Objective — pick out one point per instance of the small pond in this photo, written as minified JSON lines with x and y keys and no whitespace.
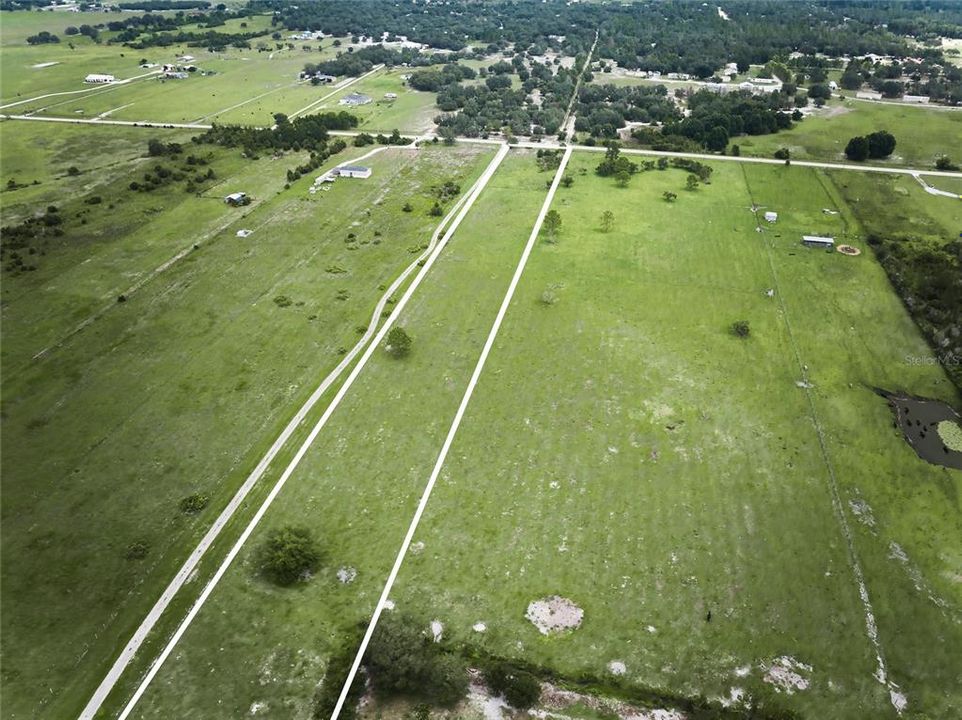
{"x":932,"y":427}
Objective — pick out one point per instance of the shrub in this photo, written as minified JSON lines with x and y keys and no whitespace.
{"x":137,"y":550}
{"x":283,"y":301}
{"x":73,"y":171}
{"x":288,"y":554}
{"x":93,"y":200}
{"x":782,"y":154}
{"x":407,"y":207}
{"x":520,"y":688}
{"x":193,"y":503}
{"x":741,"y":328}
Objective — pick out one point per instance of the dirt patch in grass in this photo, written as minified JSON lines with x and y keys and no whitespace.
{"x":554,"y":614}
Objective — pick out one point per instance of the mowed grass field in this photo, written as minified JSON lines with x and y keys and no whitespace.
{"x":626,"y":451}
{"x":921,"y":133}
{"x":179,"y":390}
{"x":258,"y":646}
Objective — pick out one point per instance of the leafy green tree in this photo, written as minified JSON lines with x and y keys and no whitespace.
{"x":398,"y":342}
{"x":691,"y":182}
{"x":607,"y":221}
{"x":402,"y":660}
{"x":669,"y":196}
{"x":288,"y":554}
{"x":622,"y":177}
{"x":857,"y":148}
{"x":551,"y":226}
{"x":881,"y":144}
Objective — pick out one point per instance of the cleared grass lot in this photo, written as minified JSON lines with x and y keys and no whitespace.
{"x":177,"y":391}
{"x":626,"y":451}
{"x":358,"y":486}
{"x":922,"y":133}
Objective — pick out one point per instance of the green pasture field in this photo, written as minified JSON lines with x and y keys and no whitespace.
{"x":256,"y":645}
{"x":240,"y":76}
{"x":43,"y":152}
{"x":412,"y":111}
{"x":179,"y":390}
{"x":623,"y":449}
{"x":897,"y":205}
{"x":921,"y":133}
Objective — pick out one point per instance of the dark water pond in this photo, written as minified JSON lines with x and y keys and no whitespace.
{"x":918,"y":419}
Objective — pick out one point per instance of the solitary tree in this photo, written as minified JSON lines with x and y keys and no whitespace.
{"x":567,"y":181}
{"x":669,"y":196}
{"x":607,"y":220}
{"x":741,"y":328}
{"x":881,"y":144}
{"x":398,"y":342}
{"x":552,"y":226}
{"x":622,"y":178}
{"x":691,"y":182}
{"x":289,"y":553}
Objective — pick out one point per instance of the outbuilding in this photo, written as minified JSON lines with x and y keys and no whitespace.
{"x":355,"y":99}
{"x":771,"y":216}
{"x":354,"y":171}
{"x":99,"y":78}
{"x":818,"y":241}
{"x":236,"y":199}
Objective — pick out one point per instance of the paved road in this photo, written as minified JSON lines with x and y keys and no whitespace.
{"x":436,"y":245}
{"x":549,"y":145}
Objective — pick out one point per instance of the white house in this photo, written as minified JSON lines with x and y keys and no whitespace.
{"x":354,"y":171}
{"x":99,"y":78}
{"x":918,"y":99}
{"x":832,"y":85}
{"x":771,"y":216}
{"x":818,"y":241}
{"x":355,"y":99}
{"x":868,"y":95}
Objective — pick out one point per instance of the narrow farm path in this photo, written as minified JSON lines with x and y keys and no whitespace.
{"x":368,"y":343}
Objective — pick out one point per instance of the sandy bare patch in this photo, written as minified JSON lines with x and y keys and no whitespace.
{"x":479,"y":627}
{"x":554,"y":614}
{"x":862,"y":511}
{"x":787,"y":675}
{"x":616,"y":667}
{"x":849,"y":250}
{"x":346,"y":575}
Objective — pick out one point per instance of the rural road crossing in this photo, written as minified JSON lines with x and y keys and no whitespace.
{"x":455,"y":424}
{"x":429,"y":257}
{"x":893,"y":170}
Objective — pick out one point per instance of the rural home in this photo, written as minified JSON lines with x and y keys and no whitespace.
{"x":354,"y":171}
{"x":237,"y":199}
{"x":99,"y":78}
{"x":818,"y":241}
{"x":918,"y":99}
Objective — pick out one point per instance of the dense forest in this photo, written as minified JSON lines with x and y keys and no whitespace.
{"x":671,"y":36}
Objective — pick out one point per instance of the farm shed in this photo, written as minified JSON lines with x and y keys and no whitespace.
{"x":818,"y":241}
{"x":99,"y":78}
{"x":354,"y":171}
{"x":237,"y":198}
{"x":771,"y":216}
